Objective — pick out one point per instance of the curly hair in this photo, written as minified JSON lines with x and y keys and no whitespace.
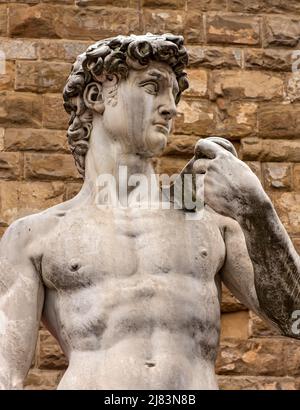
{"x":115,"y":56}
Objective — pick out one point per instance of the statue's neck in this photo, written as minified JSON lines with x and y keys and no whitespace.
{"x":109,"y":161}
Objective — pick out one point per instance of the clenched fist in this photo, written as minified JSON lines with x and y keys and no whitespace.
{"x":230,"y":187}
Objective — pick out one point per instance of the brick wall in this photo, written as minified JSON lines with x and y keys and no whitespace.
{"x":243,"y":87}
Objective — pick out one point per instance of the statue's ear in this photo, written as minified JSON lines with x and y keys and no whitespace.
{"x":93,"y":97}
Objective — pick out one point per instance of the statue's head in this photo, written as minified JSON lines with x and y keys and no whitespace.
{"x":130,"y":87}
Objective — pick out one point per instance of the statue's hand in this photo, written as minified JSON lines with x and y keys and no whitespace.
{"x":230,"y":187}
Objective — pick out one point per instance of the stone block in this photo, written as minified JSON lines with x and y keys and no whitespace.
{"x":214,"y":57}
{"x":42,"y":379}
{"x":232,"y":29}
{"x":181,"y":145}
{"x":269,"y":59}
{"x":281,"y":31}
{"x":18,"y":139}
{"x":257,"y":383}
{"x":264,"y":6}
{"x":206,"y":5}
{"x":18,"y":109}
{"x":10,"y":165}
{"x":61,"y":50}
{"x":3,"y":20}
{"x":170,"y":165}
{"x":292,"y":87}
{"x":253,"y":357}
{"x":195,"y":117}
{"x":50,"y":166}
{"x":54,"y":114}
{"x":8,"y":77}
{"x":2,"y":139}
{"x":21,"y":198}
{"x":255,"y":167}
{"x":163,"y":4}
{"x":237,"y":85}
{"x":194,"y":28}
{"x":255,"y":149}
{"x":235,"y":119}
{"x":163,"y":21}
{"x":72,"y":189}
{"x":41,"y":77}
{"x":296,"y":175}
{"x":50,"y":354}
{"x":277,"y":175}
{"x":229,"y":303}
{"x":235,"y":325}
{"x":56,"y":21}
{"x":276,"y":120}
{"x":198,"y":83}
{"x":19,"y":49}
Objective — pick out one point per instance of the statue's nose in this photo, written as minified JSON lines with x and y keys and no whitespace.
{"x":168,"y":111}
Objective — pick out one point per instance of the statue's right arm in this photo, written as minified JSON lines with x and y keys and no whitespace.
{"x":21,"y":303}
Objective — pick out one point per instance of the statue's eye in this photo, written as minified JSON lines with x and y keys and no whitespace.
{"x":151,"y":87}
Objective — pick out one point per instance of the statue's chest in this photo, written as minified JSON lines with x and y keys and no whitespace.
{"x":84,"y":251}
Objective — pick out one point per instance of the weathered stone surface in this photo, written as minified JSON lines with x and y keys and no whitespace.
{"x":3,"y":20}
{"x":50,"y":166}
{"x":287,"y":205}
{"x":116,"y":3}
{"x":277,"y":175}
{"x":253,"y":148}
{"x":269,"y":59}
{"x":19,"y":199}
{"x":16,"y":139}
{"x":163,"y":4}
{"x":19,"y":49}
{"x":230,"y":303}
{"x":50,"y":354}
{"x":296,"y":174}
{"x":234,"y":325}
{"x":41,"y":76}
{"x":72,"y":189}
{"x":267,"y":6}
{"x":20,"y":109}
{"x":181,"y":145}
{"x":54,"y":115}
{"x":2,"y":139}
{"x":235,"y":119}
{"x":281,"y":31}
{"x":42,"y":379}
{"x":10,"y":167}
{"x":246,"y":84}
{"x":261,"y":357}
{"x":194,"y":29}
{"x":257,"y":383}
{"x":293,"y":87}
{"x":214,"y":57}
{"x":163,"y":21}
{"x":61,"y":50}
{"x":260,"y":328}
{"x":206,"y":5}
{"x":50,"y":21}
{"x":198,"y":83}
{"x":291,"y":351}
{"x":7,"y":78}
{"x":232,"y":29}
{"x":278,"y":120}
{"x":195,"y":117}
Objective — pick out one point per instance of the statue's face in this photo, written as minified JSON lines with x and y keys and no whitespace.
{"x":140,"y":114}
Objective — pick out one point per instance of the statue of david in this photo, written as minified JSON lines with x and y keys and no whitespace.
{"x":132,"y":294}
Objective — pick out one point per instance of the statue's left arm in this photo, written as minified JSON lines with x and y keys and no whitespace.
{"x":271,"y":286}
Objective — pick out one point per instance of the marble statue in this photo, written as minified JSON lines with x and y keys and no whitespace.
{"x":132,"y":294}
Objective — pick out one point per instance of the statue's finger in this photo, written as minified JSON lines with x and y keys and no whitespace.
{"x":207,"y":149}
{"x":200,"y":166}
{"x":224,"y":143}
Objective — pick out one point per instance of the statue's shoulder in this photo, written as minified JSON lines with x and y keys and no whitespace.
{"x":223,"y":222}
